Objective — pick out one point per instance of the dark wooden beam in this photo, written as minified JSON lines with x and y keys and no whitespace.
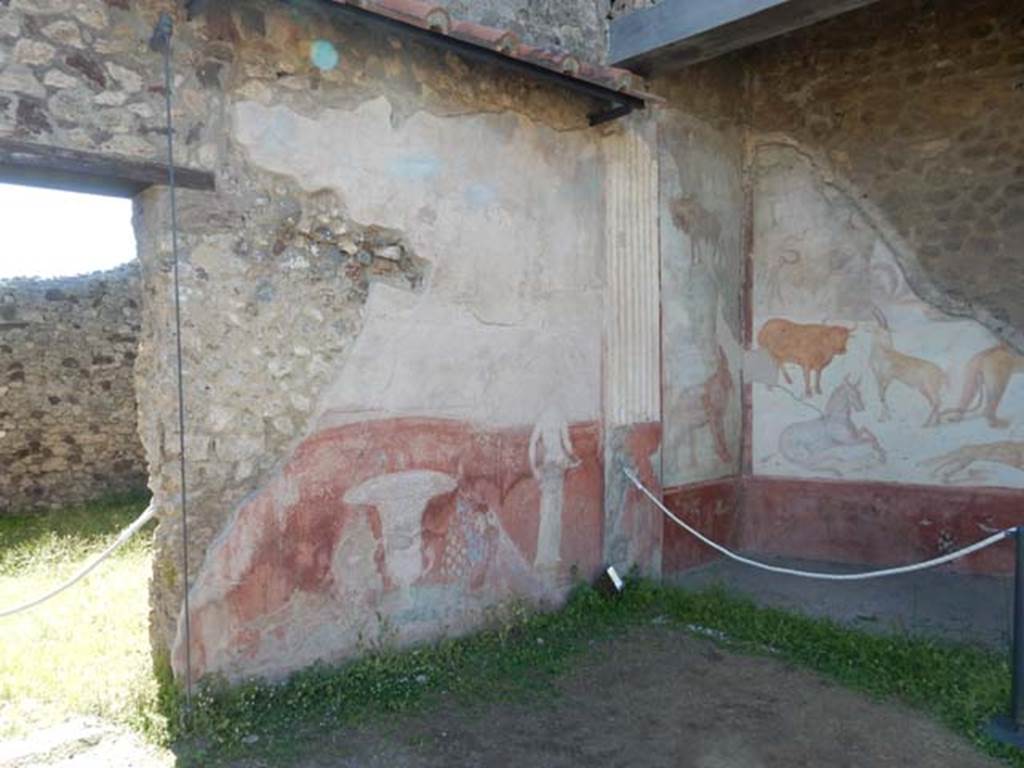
{"x":677,"y":33}
{"x":40,"y":165}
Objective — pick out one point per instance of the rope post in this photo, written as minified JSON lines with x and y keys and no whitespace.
{"x":1009,"y":729}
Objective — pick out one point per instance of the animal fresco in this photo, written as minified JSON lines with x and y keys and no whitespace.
{"x":705,"y":405}
{"x":942,"y":386}
{"x":889,"y":365}
{"x":955,"y":466}
{"x":701,"y":226}
{"x":833,"y":442}
{"x":701,"y":279}
{"x":985,"y":380}
{"x":810,"y":346}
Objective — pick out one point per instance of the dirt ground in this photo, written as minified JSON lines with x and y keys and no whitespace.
{"x":658,"y":698}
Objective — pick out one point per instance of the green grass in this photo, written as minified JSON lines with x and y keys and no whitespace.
{"x":958,"y":685}
{"x":87,"y":650}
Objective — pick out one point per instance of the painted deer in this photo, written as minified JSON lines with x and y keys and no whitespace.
{"x":829,"y":442}
{"x":889,"y":365}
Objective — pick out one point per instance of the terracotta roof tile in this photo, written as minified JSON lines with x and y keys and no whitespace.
{"x":435,"y":18}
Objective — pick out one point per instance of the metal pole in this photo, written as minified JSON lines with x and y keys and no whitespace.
{"x":1017,"y":688}
{"x":161,"y":41}
{"x":1010,"y":729}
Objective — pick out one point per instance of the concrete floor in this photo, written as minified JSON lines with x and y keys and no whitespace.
{"x":936,"y":603}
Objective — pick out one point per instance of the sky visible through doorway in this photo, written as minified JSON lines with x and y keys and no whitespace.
{"x":52,"y":233}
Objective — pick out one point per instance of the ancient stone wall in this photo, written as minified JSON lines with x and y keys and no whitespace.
{"x":393,"y":314}
{"x":68,"y":427}
{"x":918,"y":103}
{"x":79,"y":74}
{"x":622,"y":7}
{"x":420,"y":310}
{"x":577,"y":26}
{"x":885,"y":164}
{"x":880,"y":159}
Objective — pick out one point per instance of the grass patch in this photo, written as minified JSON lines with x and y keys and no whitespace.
{"x":87,"y":650}
{"x":959,"y":685}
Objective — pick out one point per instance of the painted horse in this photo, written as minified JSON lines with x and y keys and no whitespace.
{"x":832,"y":442}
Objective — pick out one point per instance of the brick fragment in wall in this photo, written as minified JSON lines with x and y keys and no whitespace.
{"x":68,"y":427}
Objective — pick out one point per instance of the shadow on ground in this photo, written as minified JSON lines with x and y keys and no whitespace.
{"x":937,"y":603}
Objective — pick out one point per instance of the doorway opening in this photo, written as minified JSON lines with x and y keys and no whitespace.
{"x":72,"y":469}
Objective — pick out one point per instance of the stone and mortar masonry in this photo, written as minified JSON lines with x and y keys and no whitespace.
{"x":912,"y":110}
{"x":919,"y":104}
{"x":914,"y":107}
{"x":68,"y":429}
{"x":577,"y":26}
{"x":274,"y":277}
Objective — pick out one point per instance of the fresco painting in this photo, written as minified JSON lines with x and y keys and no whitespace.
{"x":711,"y":507}
{"x":855,"y":377}
{"x":704,"y":406}
{"x":394,"y":526}
{"x":833,"y":443}
{"x":702,"y":277}
{"x":551,"y":456}
{"x":452,"y":460}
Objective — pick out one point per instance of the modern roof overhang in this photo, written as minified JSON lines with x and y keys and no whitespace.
{"x":677,"y":33}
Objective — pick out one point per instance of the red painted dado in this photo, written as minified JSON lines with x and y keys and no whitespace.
{"x":710,"y":507}
{"x":318,"y":547}
{"x":862,"y":523}
{"x":876,"y":523}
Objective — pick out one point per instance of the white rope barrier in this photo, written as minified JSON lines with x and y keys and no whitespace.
{"x":993,"y":539}
{"x":121,"y":539}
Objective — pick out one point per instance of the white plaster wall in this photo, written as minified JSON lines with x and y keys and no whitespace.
{"x":508,"y":214}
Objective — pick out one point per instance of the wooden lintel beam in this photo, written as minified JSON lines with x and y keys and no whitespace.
{"x":62,"y":168}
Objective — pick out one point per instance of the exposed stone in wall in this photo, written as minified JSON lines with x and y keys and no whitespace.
{"x":80,"y":75}
{"x":622,"y":7}
{"x":273,"y":284}
{"x":67,"y":400}
{"x":577,"y":26}
{"x":331,"y":193}
{"x":920,"y":104}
